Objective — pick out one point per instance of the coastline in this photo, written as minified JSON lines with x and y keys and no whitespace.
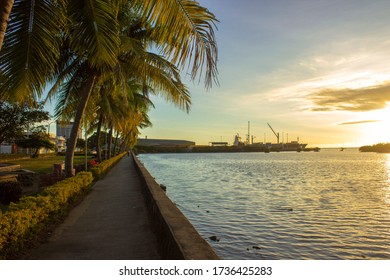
{"x":281,"y":200}
{"x":178,"y":238}
{"x":212,"y":149}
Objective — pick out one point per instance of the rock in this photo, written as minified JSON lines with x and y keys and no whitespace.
{"x":214,"y":238}
{"x":286,"y":209}
{"x":283,"y":209}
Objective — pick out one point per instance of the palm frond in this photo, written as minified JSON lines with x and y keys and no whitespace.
{"x":66,"y":102}
{"x":31,"y":47}
{"x":95,"y":31}
{"x":63,"y":76}
{"x":69,"y":92}
{"x":184,"y":30}
{"x":161,"y":76}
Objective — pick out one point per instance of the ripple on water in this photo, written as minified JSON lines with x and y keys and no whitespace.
{"x":340,"y":206}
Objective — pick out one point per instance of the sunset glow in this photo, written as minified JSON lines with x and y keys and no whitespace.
{"x":313,"y":69}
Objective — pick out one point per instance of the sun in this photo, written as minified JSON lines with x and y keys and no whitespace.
{"x":377,"y":131}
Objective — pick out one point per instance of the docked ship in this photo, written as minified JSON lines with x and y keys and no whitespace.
{"x":278,"y":147}
{"x":267,"y":147}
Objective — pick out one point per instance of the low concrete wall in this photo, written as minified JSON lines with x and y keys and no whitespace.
{"x":177,"y":236}
{"x":9,"y":167}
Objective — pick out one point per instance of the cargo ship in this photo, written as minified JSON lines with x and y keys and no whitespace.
{"x":268,"y":147}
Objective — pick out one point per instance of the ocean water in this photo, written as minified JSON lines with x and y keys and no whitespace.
{"x":327,"y":205}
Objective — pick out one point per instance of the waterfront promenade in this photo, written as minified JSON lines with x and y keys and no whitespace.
{"x":111,"y":223}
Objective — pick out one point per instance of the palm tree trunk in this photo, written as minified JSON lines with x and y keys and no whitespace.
{"x":98,"y":133}
{"x":109,"y":143}
{"x":124,"y":140}
{"x":5,"y":11}
{"x":71,"y":144}
{"x":116,"y":143}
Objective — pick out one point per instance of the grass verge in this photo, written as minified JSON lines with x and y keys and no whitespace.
{"x":44,"y":165}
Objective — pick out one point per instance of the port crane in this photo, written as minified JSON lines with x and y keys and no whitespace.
{"x":276,"y":134}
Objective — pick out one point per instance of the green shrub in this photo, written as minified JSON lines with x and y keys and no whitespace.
{"x":102,"y":168}
{"x":10,"y":192}
{"x":25,"y":219}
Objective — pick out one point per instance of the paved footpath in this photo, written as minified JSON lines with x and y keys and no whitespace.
{"x":111,"y":223}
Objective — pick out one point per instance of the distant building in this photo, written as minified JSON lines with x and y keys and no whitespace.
{"x":165,"y":143}
{"x":7,"y":148}
{"x":64,"y":129}
{"x":61,"y":144}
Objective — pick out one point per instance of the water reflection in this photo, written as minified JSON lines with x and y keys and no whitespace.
{"x":326,"y":205}
{"x":387,"y":187}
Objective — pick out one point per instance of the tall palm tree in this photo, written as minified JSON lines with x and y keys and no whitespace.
{"x":182,"y":30}
{"x":120,"y":94}
{"x":133,"y":62}
{"x":33,"y":41}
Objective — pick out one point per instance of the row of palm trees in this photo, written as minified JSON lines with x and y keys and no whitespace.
{"x":104,"y":54}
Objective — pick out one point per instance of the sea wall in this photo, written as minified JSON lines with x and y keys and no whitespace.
{"x":177,"y":236}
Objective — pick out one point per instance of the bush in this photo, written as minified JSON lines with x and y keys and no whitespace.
{"x":102,"y":168}
{"x":10,"y":192}
{"x":25,"y":219}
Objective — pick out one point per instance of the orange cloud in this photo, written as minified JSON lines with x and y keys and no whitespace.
{"x":355,"y":100}
{"x":358,"y":122}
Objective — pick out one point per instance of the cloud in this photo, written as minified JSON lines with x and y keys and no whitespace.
{"x":354,"y":100}
{"x":358,"y":122}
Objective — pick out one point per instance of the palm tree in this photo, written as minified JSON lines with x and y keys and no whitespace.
{"x":119,"y":99}
{"x":133,"y":62}
{"x":182,"y":30}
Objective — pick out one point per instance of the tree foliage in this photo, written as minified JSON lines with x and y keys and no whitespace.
{"x":16,"y":119}
{"x":36,"y":141}
{"x":80,"y":143}
{"x":95,"y":47}
{"x":378,"y":148}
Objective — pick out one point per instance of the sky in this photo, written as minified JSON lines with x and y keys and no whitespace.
{"x":314,"y":69}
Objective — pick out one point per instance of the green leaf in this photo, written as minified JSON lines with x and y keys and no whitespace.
{"x":31,"y":48}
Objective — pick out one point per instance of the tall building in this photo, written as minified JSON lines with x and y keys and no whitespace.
{"x":64,"y":129}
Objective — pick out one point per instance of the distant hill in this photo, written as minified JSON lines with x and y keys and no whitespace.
{"x":378,"y":148}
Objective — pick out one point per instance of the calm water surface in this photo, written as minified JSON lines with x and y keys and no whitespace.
{"x":326,"y":205}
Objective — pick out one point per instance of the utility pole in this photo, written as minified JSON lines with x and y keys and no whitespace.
{"x":248,"y":138}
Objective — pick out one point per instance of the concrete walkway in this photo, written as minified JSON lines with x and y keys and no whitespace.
{"x":110,"y":224}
